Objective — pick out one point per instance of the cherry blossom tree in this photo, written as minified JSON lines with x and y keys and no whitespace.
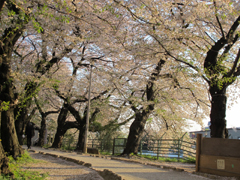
{"x":13,"y":18}
{"x":200,"y":36}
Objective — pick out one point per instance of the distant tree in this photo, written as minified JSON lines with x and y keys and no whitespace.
{"x":202,"y":37}
{"x":43,"y":128}
{"x":143,"y":113}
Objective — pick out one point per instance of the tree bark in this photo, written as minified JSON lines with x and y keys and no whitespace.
{"x":219,"y":78}
{"x":81,"y":138}
{"x":218,"y":113}
{"x":81,"y":127}
{"x":141,"y":116}
{"x":2,"y":4}
{"x":8,"y":132}
{"x":57,"y":143}
{"x":63,"y":126}
{"x":8,"y":39}
{"x":60,"y":133}
{"x":42,"y":131}
{"x":21,"y":120}
{"x":136,"y":132}
{"x":21,"y":123}
{"x":22,"y":111}
{"x":81,"y":121}
{"x":4,"y":168}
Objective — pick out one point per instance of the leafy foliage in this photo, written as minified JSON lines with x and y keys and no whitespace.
{"x":4,"y":106}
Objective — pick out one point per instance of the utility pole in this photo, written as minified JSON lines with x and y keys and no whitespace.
{"x":87,"y":118}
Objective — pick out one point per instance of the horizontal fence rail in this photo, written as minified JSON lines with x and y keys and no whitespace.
{"x":101,"y":144}
{"x":166,"y":148}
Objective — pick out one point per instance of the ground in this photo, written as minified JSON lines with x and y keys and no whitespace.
{"x":60,"y":169}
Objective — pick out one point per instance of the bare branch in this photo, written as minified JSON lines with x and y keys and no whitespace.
{"x":232,"y":30}
{"x":2,"y":4}
{"x":220,"y":25}
{"x":237,"y":73}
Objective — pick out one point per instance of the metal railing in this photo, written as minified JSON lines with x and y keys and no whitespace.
{"x":103,"y":145}
{"x":167,"y":148}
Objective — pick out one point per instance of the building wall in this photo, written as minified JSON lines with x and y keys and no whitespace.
{"x":234,"y":133}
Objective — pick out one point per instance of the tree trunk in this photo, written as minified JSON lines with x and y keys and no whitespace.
{"x":22,"y":112}
{"x":81,"y":126}
{"x":141,"y":116}
{"x":81,"y":138}
{"x":57,"y":143}
{"x":20,"y":123}
{"x":135,"y":134}
{"x":8,"y":133}
{"x":42,"y":132}
{"x":217,"y":116}
{"x":4,"y":169}
{"x":61,"y":130}
{"x":19,"y":130}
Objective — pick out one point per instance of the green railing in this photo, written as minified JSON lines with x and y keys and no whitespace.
{"x":103,"y":145}
{"x":167,"y":148}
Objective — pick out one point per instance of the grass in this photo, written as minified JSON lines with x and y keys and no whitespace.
{"x":19,"y":174}
{"x":105,"y":153}
{"x":68,"y":148}
{"x":162,"y":159}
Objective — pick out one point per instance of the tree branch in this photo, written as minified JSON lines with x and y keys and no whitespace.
{"x":237,"y":73}
{"x":2,"y":4}
{"x":220,"y":25}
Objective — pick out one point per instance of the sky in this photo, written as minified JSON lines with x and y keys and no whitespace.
{"x":232,"y":117}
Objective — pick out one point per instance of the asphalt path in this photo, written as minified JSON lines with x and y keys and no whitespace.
{"x":127,"y":170}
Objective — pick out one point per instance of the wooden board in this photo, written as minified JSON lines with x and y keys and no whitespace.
{"x":220,"y":147}
{"x":219,"y":165}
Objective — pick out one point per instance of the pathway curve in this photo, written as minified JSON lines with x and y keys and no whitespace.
{"x":127,"y":170}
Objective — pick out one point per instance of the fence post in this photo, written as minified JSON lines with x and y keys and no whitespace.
{"x":158,"y":149}
{"x":101,"y":144}
{"x":141,"y":147}
{"x":113,"y":146}
{"x":198,"y":150}
{"x":160,"y":144}
{"x":178,"y":149}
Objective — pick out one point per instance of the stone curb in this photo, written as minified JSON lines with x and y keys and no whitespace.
{"x":106,"y":174}
{"x":109,"y":175}
{"x":150,"y":164}
{"x":167,"y":167}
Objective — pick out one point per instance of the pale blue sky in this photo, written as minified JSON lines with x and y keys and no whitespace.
{"x":233,"y":118}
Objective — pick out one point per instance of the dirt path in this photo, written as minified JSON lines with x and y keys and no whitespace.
{"x":127,"y":170}
{"x":59,"y":169}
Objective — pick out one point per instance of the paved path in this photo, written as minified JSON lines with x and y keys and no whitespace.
{"x":127,"y":170}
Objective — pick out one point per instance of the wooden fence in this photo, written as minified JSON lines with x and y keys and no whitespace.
{"x":218,"y":156}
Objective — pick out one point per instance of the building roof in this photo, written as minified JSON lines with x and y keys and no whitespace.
{"x":237,"y":128}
